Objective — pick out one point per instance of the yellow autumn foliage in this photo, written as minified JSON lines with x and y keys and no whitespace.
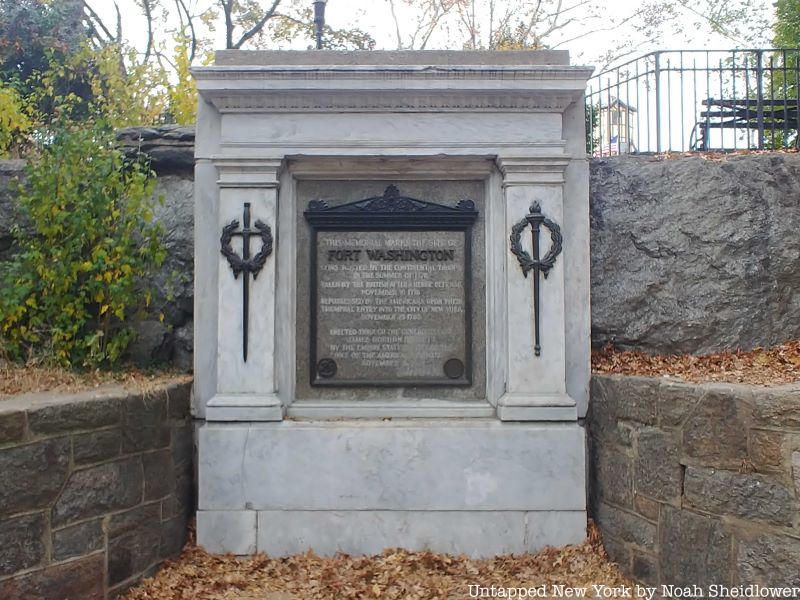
{"x":14,"y":122}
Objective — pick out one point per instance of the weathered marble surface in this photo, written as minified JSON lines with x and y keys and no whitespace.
{"x":505,"y":470}
{"x":390,"y":57}
{"x":476,"y":464}
{"x":451,"y":485}
{"x":474,"y":533}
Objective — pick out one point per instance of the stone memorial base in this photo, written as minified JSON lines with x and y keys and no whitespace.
{"x":477,"y":487}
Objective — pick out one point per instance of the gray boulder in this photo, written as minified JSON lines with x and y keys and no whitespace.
{"x":695,"y":255}
{"x":172,"y":286}
{"x":169,"y":147}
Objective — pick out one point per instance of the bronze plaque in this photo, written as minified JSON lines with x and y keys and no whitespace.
{"x":390,"y":298}
{"x":391,"y":306}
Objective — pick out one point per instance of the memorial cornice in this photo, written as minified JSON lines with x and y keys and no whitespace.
{"x":369,"y":88}
{"x":378,"y":72}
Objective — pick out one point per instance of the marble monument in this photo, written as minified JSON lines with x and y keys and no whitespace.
{"x":392,"y":301}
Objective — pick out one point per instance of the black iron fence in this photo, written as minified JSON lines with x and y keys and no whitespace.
{"x":695,"y":100}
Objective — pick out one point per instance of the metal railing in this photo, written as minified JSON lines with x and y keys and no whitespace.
{"x":695,"y":100}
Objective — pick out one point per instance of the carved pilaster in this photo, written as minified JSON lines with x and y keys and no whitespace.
{"x":246,"y":389}
{"x":535,"y":319}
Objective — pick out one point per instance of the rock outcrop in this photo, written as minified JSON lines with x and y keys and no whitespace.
{"x":694,"y":254}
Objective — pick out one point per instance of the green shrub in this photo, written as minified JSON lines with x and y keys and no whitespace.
{"x":14,"y":122}
{"x":86,"y":238}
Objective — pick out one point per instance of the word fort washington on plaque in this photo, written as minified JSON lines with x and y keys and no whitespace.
{"x":391,"y":302}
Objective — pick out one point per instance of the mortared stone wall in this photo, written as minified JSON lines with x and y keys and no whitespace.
{"x":697,"y":484}
{"x":96,"y":490}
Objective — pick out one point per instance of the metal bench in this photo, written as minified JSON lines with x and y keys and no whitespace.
{"x":773,"y":118}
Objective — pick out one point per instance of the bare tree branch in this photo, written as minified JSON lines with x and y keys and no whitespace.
{"x":466,"y":13}
{"x":95,"y":21}
{"x":613,"y":27}
{"x":294,"y":20}
{"x":256,"y":29}
{"x":227,"y":9}
{"x":441,"y":10}
{"x":182,"y":8}
{"x":715,"y":24}
{"x":532,"y":23}
{"x":491,"y":18}
{"x":429,"y":18}
{"x":396,"y":25}
{"x":179,"y":10}
{"x":565,"y":10}
{"x":474,"y":36}
{"x":119,"y":23}
{"x":147,"y":9}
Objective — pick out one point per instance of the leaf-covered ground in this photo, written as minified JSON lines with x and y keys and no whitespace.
{"x":395,"y":574}
{"x":15,"y":379}
{"x":715,"y":156}
{"x":762,"y":366}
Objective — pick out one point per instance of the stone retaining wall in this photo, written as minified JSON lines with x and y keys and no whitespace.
{"x":96,"y":490}
{"x":697,"y":484}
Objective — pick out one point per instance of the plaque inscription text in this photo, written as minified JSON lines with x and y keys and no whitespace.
{"x":391,"y":305}
{"x":390,"y":301}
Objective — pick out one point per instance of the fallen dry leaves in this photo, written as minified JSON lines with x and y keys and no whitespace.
{"x":395,"y":574}
{"x":713,"y":155}
{"x":15,"y":379}
{"x":762,"y":366}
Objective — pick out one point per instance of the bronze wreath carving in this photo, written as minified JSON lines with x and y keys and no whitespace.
{"x":238,"y":264}
{"x":525,"y":261}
